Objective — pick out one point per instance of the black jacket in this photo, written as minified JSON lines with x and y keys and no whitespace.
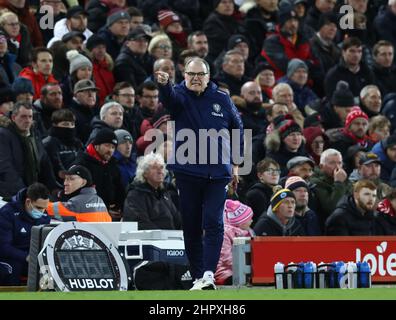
{"x":330,"y":118}
{"x":233,"y":83}
{"x":347,"y":220}
{"x":258,"y":197}
{"x":385,"y":224}
{"x":62,"y":148}
{"x":84,"y":116}
{"x":106,"y":178}
{"x":97,"y":14}
{"x":385,"y":78}
{"x":219,"y":28}
{"x":131,"y":67}
{"x":15,"y":167}
{"x":97,"y":125}
{"x":269,"y":225}
{"x":356,"y":81}
{"x":113,"y":46}
{"x":151,"y":208}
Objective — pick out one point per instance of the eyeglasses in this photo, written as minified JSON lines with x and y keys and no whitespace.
{"x":199,"y":74}
{"x":273,"y":171}
{"x":164,"y":46}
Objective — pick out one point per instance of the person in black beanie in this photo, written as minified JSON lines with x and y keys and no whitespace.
{"x":335,"y":111}
{"x":98,"y":159}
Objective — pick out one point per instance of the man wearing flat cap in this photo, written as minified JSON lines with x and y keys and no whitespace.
{"x":133,"y":63}
{"x":84,"y":108}
{"x":98,"y":159}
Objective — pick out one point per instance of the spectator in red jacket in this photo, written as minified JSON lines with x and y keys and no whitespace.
{"x":102,"y":66}
{"x":40,"y":73}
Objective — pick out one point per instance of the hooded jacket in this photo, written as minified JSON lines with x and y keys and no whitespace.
{"x":151,"y":208}
{"x":387,"y":165}
{"x":270,"y":225}
{"x":15,"y":231}
{"x":347,"y":220}
{"x":213,"y":109}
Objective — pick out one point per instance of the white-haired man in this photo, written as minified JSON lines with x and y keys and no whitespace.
{"x":331,"y":183}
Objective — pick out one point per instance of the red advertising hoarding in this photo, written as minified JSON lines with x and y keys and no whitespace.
{"x":379,"y":252}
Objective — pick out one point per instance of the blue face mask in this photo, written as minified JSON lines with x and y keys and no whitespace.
{"x":35,"y":213}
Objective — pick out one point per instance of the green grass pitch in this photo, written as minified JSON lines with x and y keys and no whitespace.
{"x":225,"y":294}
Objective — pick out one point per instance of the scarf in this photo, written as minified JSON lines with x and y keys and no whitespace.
{"x":65,"y":135}
{"x":385,"y":206}
{"x":94,"y":154}
{"x":31,"y":163}
{"x":360,"y":141}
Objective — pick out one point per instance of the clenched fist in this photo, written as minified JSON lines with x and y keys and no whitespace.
{"x":162,"y":77}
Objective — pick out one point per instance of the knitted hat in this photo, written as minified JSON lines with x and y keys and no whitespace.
{"x":77,"y":61}
{"x":236,"y":213}
{"x":313,"y":120}
{"x":295,"y":64}
{"x":117,"y":16}
{"x":159,"y":118}
{"x":286,"y":126}
{"x":94,"y":41}
{"x":6,"y":95}
{"x":295,"y":182}
{"x":261,"y":67}
{"x":123,"y":136}
{"x":342,"y":96}
{"x":286,"y":12}
{"x":236,"y":39}
{"x":279,"y":196}
{"x":80,"y":171}
{"x":327,"y":18}
{"x":166,"y":17}
{"x":105,"y":136}
{"x":22,"y":85}
{"x":355,"y":113}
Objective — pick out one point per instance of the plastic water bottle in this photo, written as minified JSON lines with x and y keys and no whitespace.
{"x":352,"y":275}
{"x":299,"y":276}
{"x":290,"y":270}
{"x":341,"y":274}
{"x":364,"y":275}
{"x":279,"y":270}
{"x":309,"y":275}
{"x":321,"y":274}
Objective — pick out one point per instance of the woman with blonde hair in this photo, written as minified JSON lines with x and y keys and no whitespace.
{"x":160,"y":46}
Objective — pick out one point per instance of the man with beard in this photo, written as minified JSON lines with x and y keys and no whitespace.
{"x":250,"y":105}
{"x":51,"y":99}
{"x":287,"y":43}
{"x":98,"y":159}
{"x":303,"y":213}
{"x":354,"y":132}
{"x":354,"y":214}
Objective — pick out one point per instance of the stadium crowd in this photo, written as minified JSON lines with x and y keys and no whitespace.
{"x":317,"y":88}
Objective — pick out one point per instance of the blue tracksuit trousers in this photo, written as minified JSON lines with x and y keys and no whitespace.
{"x":202,"y":204}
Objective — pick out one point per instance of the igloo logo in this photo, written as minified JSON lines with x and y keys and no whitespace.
{"x":381,"y":262}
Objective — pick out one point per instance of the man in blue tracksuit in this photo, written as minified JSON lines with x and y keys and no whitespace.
{"x":196,"y":105}
{"x":27,"y":209}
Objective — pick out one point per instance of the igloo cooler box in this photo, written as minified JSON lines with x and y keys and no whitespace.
{"x":153,"y":245}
